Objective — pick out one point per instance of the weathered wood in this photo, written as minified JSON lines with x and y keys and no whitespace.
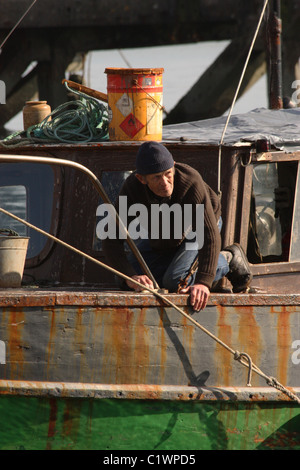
{"x":55,"y":30}
{"x":51,"y":72}
{"x":67,"y":13}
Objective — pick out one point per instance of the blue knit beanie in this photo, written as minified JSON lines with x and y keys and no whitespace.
{"x":153,"y":157}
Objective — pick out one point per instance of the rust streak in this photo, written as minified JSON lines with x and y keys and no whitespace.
{"x":52,"y":421}
{"x":15,"y":343}
{"x":249,"y":335}
{"x":79,"y":346}
{"x":162,"y":344}
{"x":284,"y":341}
{"x":71,"y":418}
{"x":223,"y":358}
{"x":51,"y":336}
{"x":121,"y":339}
{"x":188,"y":334}
{"x":141,"y":349}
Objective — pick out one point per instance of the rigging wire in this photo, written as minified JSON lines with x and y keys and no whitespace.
{"x":16,"y":25}
{"x":124,"y":58}
{"x":237,"y":91}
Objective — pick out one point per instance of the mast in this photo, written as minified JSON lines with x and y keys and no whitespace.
{"x":274,"y":55}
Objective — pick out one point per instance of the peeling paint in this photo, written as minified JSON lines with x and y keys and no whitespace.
{"x":284,"y":341}
{"x":15,"y":345}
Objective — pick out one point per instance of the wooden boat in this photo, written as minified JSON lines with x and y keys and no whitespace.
{"x":84,"y":365}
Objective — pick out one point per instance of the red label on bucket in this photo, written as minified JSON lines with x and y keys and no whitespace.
{"x":135,"y":103}
{"x":131,"y":125}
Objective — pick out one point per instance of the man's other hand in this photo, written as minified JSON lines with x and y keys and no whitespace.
{"x":142,"y":279}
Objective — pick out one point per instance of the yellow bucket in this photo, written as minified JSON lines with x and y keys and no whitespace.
{"x":135,"y":103}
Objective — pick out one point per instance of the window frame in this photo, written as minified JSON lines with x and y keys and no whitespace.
{"x":277,"y":267}
{"x":38,"y":258}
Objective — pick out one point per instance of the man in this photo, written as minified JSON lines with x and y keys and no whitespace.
{"x":160,"y":182}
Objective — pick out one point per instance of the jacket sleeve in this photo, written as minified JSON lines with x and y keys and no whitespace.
{"x":209,"y":252}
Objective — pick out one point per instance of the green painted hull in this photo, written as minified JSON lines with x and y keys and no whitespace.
{"x":53,"y":423}
{"x":113,"y":373}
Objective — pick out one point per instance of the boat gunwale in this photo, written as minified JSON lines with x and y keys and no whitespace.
{"x":97,"y":297}
{"x":63,"y":390}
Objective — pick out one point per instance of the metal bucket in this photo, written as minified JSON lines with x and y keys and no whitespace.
{"x":13,"y":252}
{"x":135,"y":103}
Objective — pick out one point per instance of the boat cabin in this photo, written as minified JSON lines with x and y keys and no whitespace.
{"x":260,"y":207}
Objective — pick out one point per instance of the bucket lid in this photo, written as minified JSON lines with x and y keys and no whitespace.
{"x":126,"y":71}
{"x":13,"y":237}
{"x":9,"y":233}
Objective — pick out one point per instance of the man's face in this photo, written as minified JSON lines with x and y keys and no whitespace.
{"x":161,"y":184}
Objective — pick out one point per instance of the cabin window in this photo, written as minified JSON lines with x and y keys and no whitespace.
{"x":272,"y":208}
{"x":12,"y":199}
{"x":112,"y":181}
{"x":26,"y":190}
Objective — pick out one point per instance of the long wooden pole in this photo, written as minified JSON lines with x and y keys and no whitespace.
{"x":88,"y":91}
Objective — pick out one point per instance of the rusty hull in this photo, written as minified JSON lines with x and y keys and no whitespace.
{"x":78,"y":357}
{"x":122,"y":338}
{"x":75,"y":203}
{"x":82,"y":331}
{"x":66,"y":390}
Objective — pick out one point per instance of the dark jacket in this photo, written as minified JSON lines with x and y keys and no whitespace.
{"x":189,"y":188}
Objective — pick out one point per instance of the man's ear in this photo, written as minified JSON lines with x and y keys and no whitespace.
{"x":141,"y":178}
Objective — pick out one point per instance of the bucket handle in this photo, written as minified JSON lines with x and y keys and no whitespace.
{"x":9,"y":231}
{"x":88,"y":91}
{"x":135,"y":82}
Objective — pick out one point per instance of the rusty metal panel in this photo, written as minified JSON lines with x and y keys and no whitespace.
{"x":58,"y":419}
{"x":133,"y":344}
{"x":141,"y":392}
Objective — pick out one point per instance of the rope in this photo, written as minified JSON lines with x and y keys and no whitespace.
{"x":237,"y":91}
{"x":80,"y":121}
{"x":237,"y":356}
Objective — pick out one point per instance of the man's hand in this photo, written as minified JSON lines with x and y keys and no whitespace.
{"x":142,"y":279}
{"x":199,"y":295}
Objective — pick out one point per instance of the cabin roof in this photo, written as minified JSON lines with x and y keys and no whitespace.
{"x":281,"y":127}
